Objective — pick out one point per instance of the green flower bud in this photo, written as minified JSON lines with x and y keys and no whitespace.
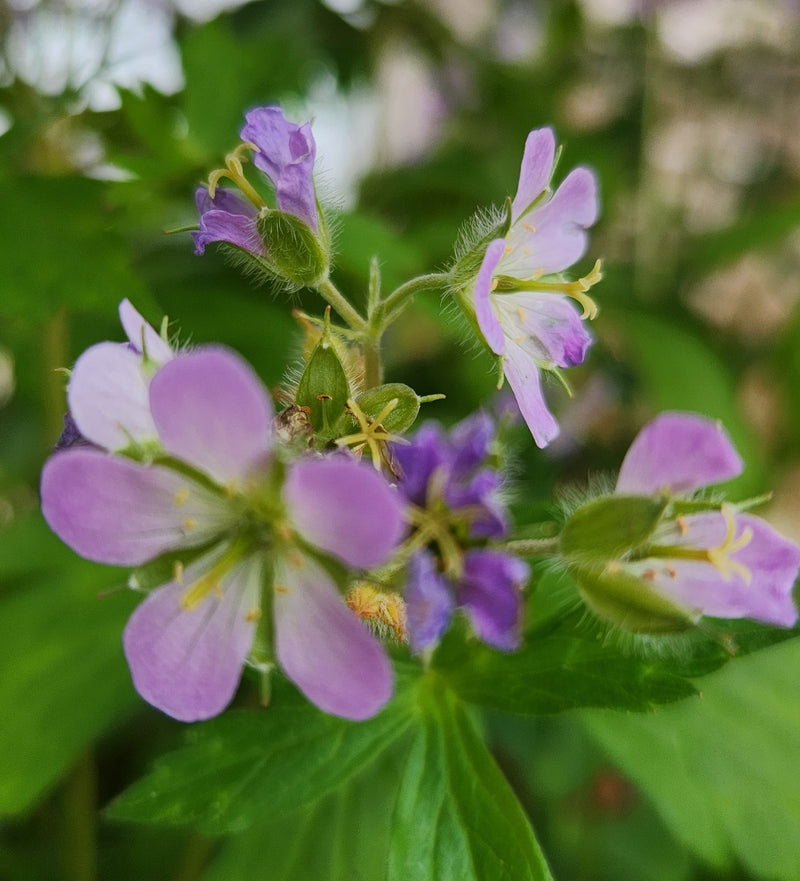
{"x":323,"y":387}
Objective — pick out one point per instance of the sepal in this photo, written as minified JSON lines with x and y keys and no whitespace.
{"x":610,"y":527}
{"x":323,"y":387}
{"x":295,"y":252}
{"x":625,"y":600}
{"x":401,"y":417}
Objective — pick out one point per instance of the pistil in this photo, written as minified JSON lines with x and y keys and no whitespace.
{"x":233,"y":171}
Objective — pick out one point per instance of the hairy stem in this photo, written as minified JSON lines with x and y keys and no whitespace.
{"x":337,"y":300}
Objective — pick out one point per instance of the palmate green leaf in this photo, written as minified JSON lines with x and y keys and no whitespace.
{"x":64,"y":679}
{"x":456,"y":817}
{"x":342,"y":837}
{"x":721,"y":771}
{"x":558,"y":672}
{"x":250,"y":767}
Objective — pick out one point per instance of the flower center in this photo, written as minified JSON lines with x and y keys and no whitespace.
{"x":720,"y":556}
{"x":576,"y":290}
{"x":211,"y":580}
{"x":233,"y":171}
{"x":372,"y":434}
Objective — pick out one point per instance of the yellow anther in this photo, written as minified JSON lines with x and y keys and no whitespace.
{"x":190,"y":523}
{"x":181,"y":497}
{"x":233,"y":171}
{"x":177,"y":572}
{"x":720,"y":556}
{"x":521,"y":314}
{"x":508,"y":249}
{"x":682,"y":524}
{"x":493,"y":286}
{"x":253,"y":615}
{"x":281,"y":588}
{"x":295,"y":560}
{"x":530,"y":227}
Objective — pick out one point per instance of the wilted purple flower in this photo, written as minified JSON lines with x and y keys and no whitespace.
{"x":716,"y":562}
{"x":285,"y":152}
{"x":244,"y":520}
{"x":521,"y":303}
{"x":108,"y":386}
{"x":698,"y":557}
{"x":453,"y":503}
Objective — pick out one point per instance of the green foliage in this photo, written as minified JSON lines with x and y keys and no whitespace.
{"x":243,"y":768}
{"x":57,"y":243}
{"x":62,"y":662}
{"x":456,"y":816}
{"x":718,"y":771}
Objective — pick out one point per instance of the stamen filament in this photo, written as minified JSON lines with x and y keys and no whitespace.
{"x":720,"y":556}
{"x":233,"y":171}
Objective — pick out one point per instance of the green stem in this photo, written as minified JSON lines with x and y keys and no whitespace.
{"x":333,"y":296}
{"x":400,"y":296}
{"x":80,"y":817}
{"x":532,"y":547}
{"x":373,"y":369}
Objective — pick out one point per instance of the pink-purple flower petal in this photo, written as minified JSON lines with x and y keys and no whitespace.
{"x":108,"y":397}
{"x":523,"y":376}
{"x":142,"y":336}
{"x":484,"y":311}
{"x":752,"y":581}
{"x":546,"y":325}
{"x":536,"y":170}
{"x":677,"y":453}
{"x":115,"y":511}
{"x":286,"y":155}
{"x":429,"y":602}
{"x":490,"y":593}
{"x":323,"y":647}
{"x":186,"y":659}
{"x":344,"y":508}
{"x":234,"y":229}
{"x":212,"y":411}
{"x":558,"y":237}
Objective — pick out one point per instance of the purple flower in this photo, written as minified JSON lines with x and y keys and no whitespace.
{"x":108,"y":386}
{"x":226,"y":217}
{"x":285,"y":152}
{"x":487,"y":588}
{"x":453,"y":502}
{"x":244,"y":522}
{"x":521,"y":303}
{"x":702,"y":557}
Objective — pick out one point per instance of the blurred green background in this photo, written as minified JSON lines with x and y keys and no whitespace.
{"x":112,"y":112}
